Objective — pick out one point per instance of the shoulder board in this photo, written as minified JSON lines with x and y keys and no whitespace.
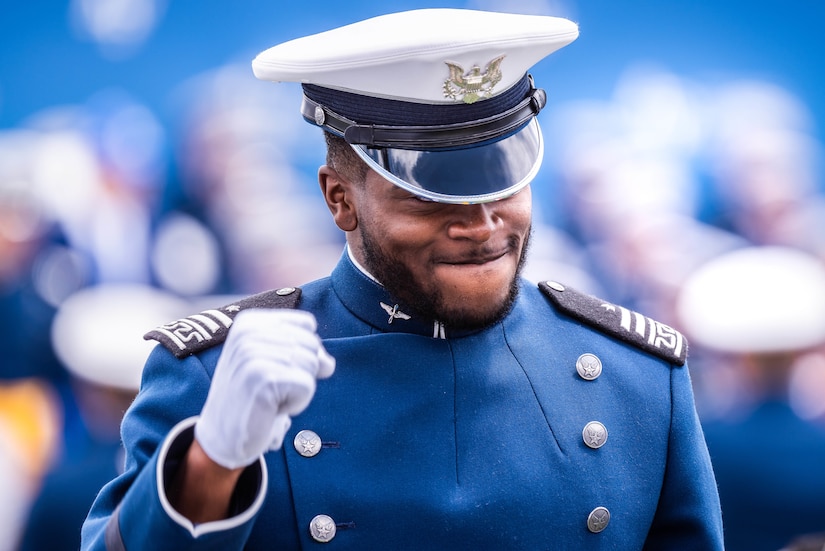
{"x":631,"y":327}
{"x":198,"y":332}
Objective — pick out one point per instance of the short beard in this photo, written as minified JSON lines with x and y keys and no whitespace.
{"x":400,"y":282}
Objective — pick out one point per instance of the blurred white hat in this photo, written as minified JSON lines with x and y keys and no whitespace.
{"x":97,"y":332}
{"x":757,"y":299}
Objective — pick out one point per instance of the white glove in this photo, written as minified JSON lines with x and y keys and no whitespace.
{"x":265,"y":375}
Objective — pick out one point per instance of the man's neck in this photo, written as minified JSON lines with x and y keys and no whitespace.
{"x":360,"y":267}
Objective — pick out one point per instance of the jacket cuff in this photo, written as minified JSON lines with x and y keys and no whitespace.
{"x":246,"y":501}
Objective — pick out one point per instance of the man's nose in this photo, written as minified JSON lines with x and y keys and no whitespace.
{"x":475,"y":222}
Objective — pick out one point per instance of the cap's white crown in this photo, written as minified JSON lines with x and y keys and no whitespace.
{"x":405,"y":55}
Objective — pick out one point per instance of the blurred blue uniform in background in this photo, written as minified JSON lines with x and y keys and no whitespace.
{"x":767,"y":458}
{"x":769,"y":469}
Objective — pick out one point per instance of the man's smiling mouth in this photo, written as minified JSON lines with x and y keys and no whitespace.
{"x":476,"y":259}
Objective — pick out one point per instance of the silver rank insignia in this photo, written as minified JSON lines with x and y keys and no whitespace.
{"x":474,"y":84}
{"x":631,"y":327}
{"x":198,"y":332}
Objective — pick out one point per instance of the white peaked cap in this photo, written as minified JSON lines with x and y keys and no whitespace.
{"x":757,"y":299}
{"x":437,"y":101}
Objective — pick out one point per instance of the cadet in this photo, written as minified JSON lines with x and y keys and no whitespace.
{"x":459,"y":406}
{"x":759,"y":310}
{"x":93,"y":335}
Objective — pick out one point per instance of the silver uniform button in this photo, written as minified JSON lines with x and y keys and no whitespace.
{"x":598,"y":519}
{"x":285,"y":291}
{"x":322,"y":528}
{"x":589,"y":367}
{"x":594,"y":434}
{"x":556,"y":286}
{"x":307,"y":443}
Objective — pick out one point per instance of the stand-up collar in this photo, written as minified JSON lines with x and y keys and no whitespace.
{"x":369,"y":301}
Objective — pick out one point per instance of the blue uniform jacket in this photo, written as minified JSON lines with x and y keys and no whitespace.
{"x":473,"y":441}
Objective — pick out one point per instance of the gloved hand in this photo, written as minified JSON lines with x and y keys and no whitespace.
{"x":265,"y":375}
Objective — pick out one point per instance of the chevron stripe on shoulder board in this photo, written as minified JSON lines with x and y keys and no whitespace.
{"x":198,"y":332}
{"x":631,"y":327}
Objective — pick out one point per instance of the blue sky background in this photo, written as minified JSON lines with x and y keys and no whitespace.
{"x":43,"y":63}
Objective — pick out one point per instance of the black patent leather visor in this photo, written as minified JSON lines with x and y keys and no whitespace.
{"x":478,"y":174}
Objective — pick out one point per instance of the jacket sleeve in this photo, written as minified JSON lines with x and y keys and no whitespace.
{"x":132,"y":511}
{"x":689,"y":515}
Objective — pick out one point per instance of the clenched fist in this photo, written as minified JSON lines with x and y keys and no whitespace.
{"x":266,"y":374}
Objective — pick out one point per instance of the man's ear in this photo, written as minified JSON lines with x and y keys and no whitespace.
{"x":339,"y":194}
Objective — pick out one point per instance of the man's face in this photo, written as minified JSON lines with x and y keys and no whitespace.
{"x":458,"y":264}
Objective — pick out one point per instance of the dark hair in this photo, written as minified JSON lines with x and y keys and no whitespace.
{"x":343,"y":159}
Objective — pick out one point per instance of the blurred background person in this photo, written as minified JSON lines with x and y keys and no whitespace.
{"x":28,"y":235}
{"x":97,"y":335}
{"x":33,"y":383}
{"x":241,"y":168}
{"x":629,"y":190}
{"x":100,"y":167}
{"x":757,"y":313}
{"x":765,"y":165}
{"x":76,"y":193}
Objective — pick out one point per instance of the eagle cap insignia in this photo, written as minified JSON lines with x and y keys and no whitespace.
{"x":472,"y":85}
